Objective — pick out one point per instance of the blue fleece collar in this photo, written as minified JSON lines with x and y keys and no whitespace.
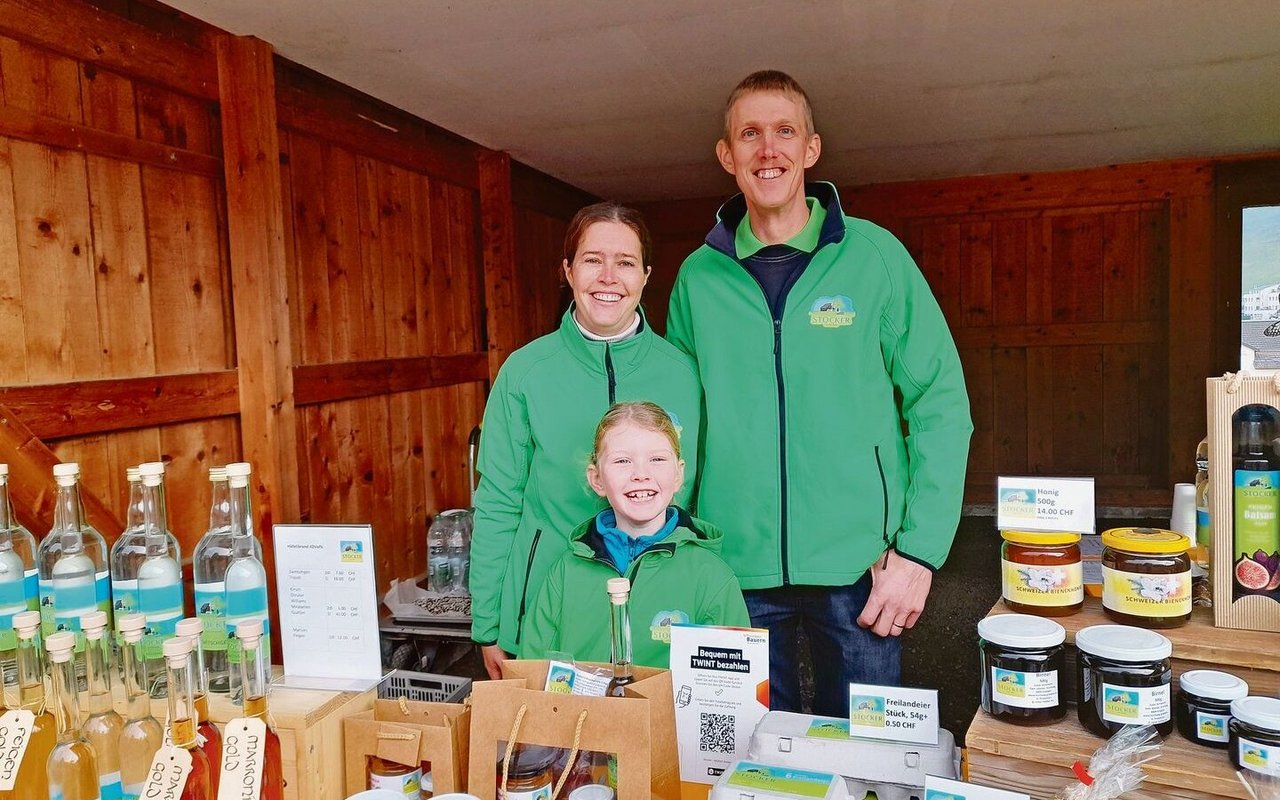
{"x":621,"y":547}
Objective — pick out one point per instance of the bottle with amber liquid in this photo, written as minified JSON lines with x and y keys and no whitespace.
{"x":620,"y":626}
{"x":102,"y":727}
{"x":32,"y":781}
{"x":142,"y":734}
{"x":192,"y":629}
{"x":72,"y":765}
{"x":253,"y":678}
{"x":183,"y":718}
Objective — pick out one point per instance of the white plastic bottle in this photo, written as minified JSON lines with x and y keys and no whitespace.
{"x":245,"y":594}
{"x":459,"y":561}
{"x":439,"y":572}
{"x":18,"y":582}
{"x":92,"y":546}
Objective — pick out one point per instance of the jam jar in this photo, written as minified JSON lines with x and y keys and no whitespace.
{"x":530,"y":775}
{"x":1022,"y":663}
{"x":1124,"y":679}
{"x":1041,"y":573}
{"x":1146,"y":577}
{"x":1204,"y":705}
{"x":1255,"y":735}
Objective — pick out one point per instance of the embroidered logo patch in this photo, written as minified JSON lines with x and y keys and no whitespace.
{"x":660,"y":627}
{"x":832,"y":311}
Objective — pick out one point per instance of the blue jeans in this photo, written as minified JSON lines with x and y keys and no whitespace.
{"x":842,"y":651}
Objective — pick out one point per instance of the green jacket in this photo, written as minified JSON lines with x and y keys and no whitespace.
{"x":539,"y":423}
{"x":827,"y":479}
{"x":680,"y":579}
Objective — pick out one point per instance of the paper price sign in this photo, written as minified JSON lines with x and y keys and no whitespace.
{"x":1045,"y":504}
{"x":893,"y":714}
{"x":946,"y":789}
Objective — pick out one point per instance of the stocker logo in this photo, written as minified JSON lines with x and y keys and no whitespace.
{"x":1121,"y":704}
{"x":866,"y":711}
{"x":832,"y":311}
{"x":660,"y":627}
{"x":352,"y":552}
{"x":1254,"y":755}
{"x":1010,"y":684}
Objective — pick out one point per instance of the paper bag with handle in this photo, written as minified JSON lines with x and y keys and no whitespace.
{"x":639,"y":729}
{"x":411,"y":733}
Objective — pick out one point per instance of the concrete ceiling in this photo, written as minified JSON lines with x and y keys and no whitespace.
{"x":624,"y":99}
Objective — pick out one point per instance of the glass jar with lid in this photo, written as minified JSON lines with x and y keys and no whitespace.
{"x":1255,"y":735}
{"x":1146,"y":577}
{"x":1124,"y":678}
{"x":530,"y":775}
{"x":1204,"y":705}
{"x":1041,"y":573}
{"x":1022,"y":664}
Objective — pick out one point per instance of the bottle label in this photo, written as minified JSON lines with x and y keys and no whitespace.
{"x":212,"y":611}
{"x":31,"y":587}
{"x":540,"y":793}
{"x":1135,"y":705}
{"x":1258,"y":757}
{"x":408,"y":784}
{"x":1145,"y":595}
{"x":168,"y":774}
{"x":71,"y":601}
{"x":1204,"y":530}
{"x":109,"y":786}
{"x":1024,"y":689}
{"x":13,"y":600}
{"x":162,"y":606}
{"x":15,"y":735}
{"x":1212,"y":727}
{"x":1043,"y":586}
{"x":244,"y":748}
{"x":102,"y":593}
{"x":1257,"y":511}
{"x":125,"y":595}
{"x":244,"y":604}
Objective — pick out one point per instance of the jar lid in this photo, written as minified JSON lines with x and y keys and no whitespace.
{"x":530,"y":759}
{"x":1123,"y":643}
{"x":1146,"y":540}
{"x":1213,"y":685}
{"x":1260,"y":712}
{"x":1022,"y":631}
{"x":1040,"y":538}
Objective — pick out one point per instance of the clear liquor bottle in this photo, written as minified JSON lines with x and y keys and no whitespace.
{"x":245,"y":584}
{"x":128,"y":551}
{"x":103,"y":725}
{"x":209,"y":565}
{"x":68,"y":583}
{"x":620,"y":628}
{"x":72,"y":764}
{"x":254,"y":671}
{"x":32,"y":780}
{"x":92,"y":545}
{"x":192,"y":629}
{"x":183,"y":716}
{"x":142,"y":734}
{"x":18,"y":577}
{"x":159,"y":574}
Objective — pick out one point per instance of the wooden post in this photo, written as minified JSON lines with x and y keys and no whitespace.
{"x":498,"y":236}
{"x":259,"y":284}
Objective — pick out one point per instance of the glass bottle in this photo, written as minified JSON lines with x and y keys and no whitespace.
{"x":620,"y":626}
{"x":209,"y":565}
{"x":103,"y":725}
{"x":33,"y":779}
{"x":245,"y":590}
{"x":68,"y":585}
{"x":142,"y":734}
{"x":253,"y":676}
{"x":18,"y":581}
{"x":1256,"y":495}
{"x":128,"y":551}
{"x":1202,"y":553}
{"x":192,"y":630}
{"x":159,"y":574}
{"x":72,"y":764}
{"x":92,"y":545}
{"x":183,"y":717}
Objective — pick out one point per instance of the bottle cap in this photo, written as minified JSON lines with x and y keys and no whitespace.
{"x":132,"y":475}
{"x":190,"y":627}
{"x":151,"y":468}
{"x":1021,"y":631}
{"x":1212,"y":684}
{"x":93,"y":624}
{"x":618,"y":589}
{"x":4,"y":470}
{"x":66,"y":474}
{"x":26,"y":623}
{"x":1260,"y":712}
{"x":249,"y":630}
{"x":239,"y":469}
{"x":131,"y":622}
{"x":152,"y":480}
{"x":60,"y":645}
{"x":1123,"y":643}
{"x":176,"y":650}
{"x":217,"y":474}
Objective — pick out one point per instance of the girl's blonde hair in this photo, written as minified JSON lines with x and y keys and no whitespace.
{"x":648,"y":416}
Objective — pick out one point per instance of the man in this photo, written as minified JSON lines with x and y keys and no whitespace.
{"x":837,"y":424}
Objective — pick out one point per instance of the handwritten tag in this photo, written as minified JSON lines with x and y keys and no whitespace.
{"x":168,"y":774}
{"x":244,"y":749}
{"x":15,"y":734}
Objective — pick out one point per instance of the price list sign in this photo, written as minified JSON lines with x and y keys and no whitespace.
{"x":328,"y":605}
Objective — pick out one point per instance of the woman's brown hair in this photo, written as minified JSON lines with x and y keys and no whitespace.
{"x":606,"y":212}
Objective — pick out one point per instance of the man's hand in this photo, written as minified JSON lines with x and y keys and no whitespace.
{"x":899,"y":587}
{"x":494,"y":655}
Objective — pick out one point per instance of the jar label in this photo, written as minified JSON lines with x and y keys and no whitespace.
{"x":408,"y":784}
{"x":1024,"y":689}
{"x":1135,"y":705}
{"x":1146,"y":595}
{"x":1043,"y":586}
{"x":1258,"y":757}
{"x":1212,"y":727}
{"x":541,"y":793}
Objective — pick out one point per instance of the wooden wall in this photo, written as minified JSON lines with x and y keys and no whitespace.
{"x":1081,"y":302}
{"x":207,"y":254}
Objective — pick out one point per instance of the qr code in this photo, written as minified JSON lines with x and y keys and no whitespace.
{"x":717,"y":733}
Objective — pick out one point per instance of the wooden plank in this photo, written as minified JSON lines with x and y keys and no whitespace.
{"x":82,"y":32}
{"x":371,"y":318}
{"x":13,"y":357}
{"x":55,"y":411}
{"x":343,"y":236}
{"x":1009,"y":271}
{"x":1083,"y":333}
{"x":1076,"y":419}
{"x":979,"y":380}
{"x":548,"y":195}
{"x":1040,"y":411}
{"x":349,"y":380}
{"x":179,"y":121}
{"x":188,"y":450}
{"x":39,"y":81}
{"x":310,"y":266}
{"x":1190,"y":331}
{"x":1075,"y":266}
{"x":976,"y":282}
{"x":497,"y":233}
{"x":107,"y":102}
{"x":1009,"y":413}
{"x":940,"y":263}
{"x":1125,"y":401}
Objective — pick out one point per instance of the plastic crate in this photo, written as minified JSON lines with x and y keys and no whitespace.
{"x":424,"y":686}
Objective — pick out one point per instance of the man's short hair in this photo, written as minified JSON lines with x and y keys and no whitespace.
{"x":769,"y":80}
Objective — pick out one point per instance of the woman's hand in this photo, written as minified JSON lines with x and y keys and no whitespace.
{"x":494,"y":655}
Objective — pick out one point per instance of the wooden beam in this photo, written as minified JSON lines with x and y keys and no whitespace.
{"x":328,"y":383}
{"x":1190,"y":333}
{"x":60,"y":410}
{"x":28,"y":127}
{"x":1064,"y":334}
{"x":259,"y":283}
{"x":95,"y":37}
{"x":498,"y":240}
{"x":31,"y":485}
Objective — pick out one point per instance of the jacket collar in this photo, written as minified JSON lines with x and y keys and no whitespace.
{"x":587,"y":541}
{"x":721,"y":237}
{"x":626,"y":355}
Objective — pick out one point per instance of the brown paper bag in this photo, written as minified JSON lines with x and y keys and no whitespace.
{"x":639,"y":728}
{"x":410,"y":732}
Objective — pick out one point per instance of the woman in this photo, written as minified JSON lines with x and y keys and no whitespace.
{"x":541,"y":416}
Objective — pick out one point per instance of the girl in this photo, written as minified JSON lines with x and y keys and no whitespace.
{"x":671,"y":558}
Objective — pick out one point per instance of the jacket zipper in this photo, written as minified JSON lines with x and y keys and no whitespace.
{"x":782,"y":447}
{"x":524,"y":593}
{"x":613,"y":380}
{"x":884,"y":494}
